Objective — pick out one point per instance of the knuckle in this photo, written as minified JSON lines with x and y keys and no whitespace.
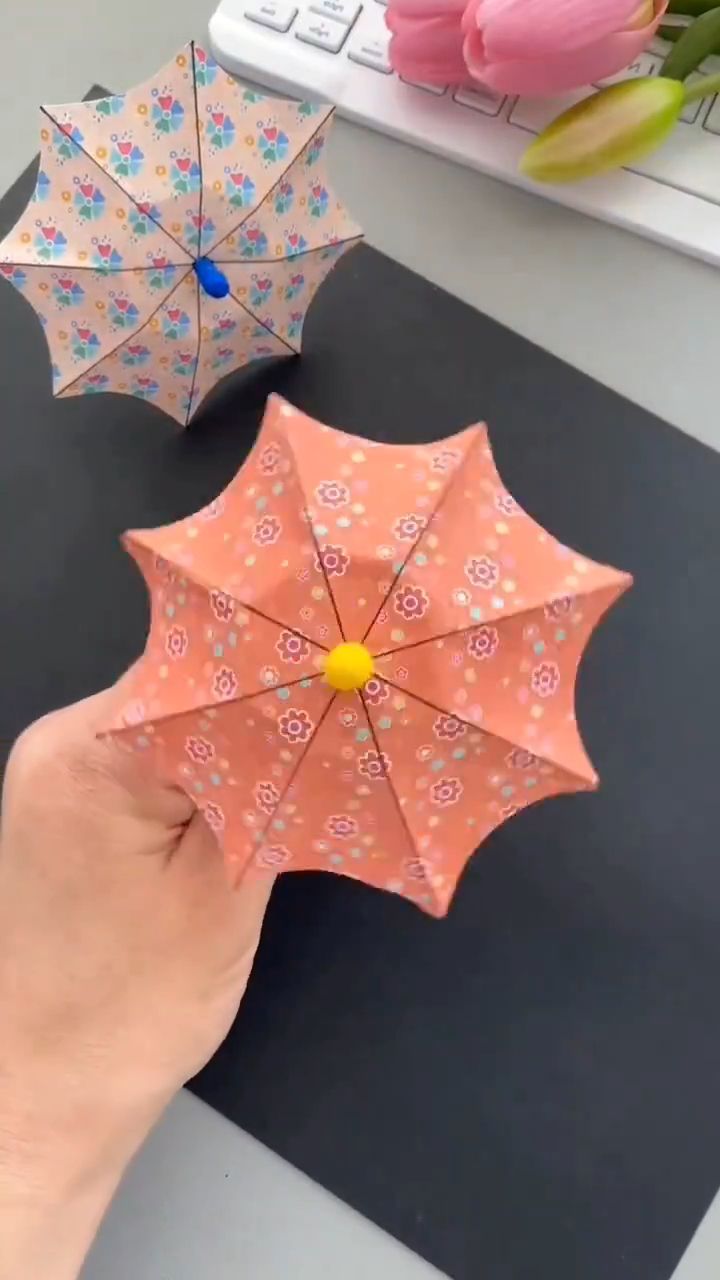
{"x":33,"y":753}
{"x":46,"y":756}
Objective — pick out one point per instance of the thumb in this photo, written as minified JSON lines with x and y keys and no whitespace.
{"x":69,"y":752}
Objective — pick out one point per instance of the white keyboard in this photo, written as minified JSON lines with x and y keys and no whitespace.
{"x":337,"y":51}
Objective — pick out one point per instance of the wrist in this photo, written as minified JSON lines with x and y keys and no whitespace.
{"x":49,"y":1223}
{"x":62,"y":1124}
{"x":62,"y":1155}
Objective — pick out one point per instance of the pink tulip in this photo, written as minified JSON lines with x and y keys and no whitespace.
{"x":531,"y":47}
{"x":427,"y":40}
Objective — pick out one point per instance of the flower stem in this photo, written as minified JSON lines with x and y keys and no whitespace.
{"x":702,"y":88}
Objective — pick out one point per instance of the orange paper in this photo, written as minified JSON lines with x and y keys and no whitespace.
{"x":473,"y":617}
{"x":133,"y":191}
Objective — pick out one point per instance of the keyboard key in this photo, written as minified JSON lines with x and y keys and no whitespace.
{"x":712,"y":119}
{"x":437,"y":89}
{"x":277,"y":14}
{"x":485,"y":100}
{"x":324,"y":33}
{"x":691,"y":110}
{"x":342,"y":10}
{"x":643,"y":65}
{"x":534,"y":114}
{"x":370,"y":51}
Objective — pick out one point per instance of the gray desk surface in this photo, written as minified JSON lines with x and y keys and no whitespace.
{"x":204,"y":1198}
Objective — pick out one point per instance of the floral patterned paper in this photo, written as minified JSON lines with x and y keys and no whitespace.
{"x":476,"y":617}
{"x":132,"y":189}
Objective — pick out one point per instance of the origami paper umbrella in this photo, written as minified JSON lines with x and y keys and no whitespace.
{"x":362,"y":657}
{"x":175,"y":233}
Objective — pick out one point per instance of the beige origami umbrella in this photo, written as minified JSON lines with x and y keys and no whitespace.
{"x":176,"y":232}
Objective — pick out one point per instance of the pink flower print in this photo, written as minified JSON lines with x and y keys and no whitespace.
{"x":483,"y":643}
{"x":545,"y":679}
{"x":559,"y":608}
{"x":222,"y":606}
{"x":331,"y":493}
{"x":266,"y":796}
{"x":374,"y":765}
{"x":347,"y":718}
{"x":269,"y":460}
{"x":445,"y":460}
{"x":415,"y":869}
{"x":408,"y":528}
{"x":225,"y":684}
{"x":449,"y":728}
{"x":292,"y":648}
{"x":446,"y":791}
{"x":295,"y":726}
{"x":506,"y":504}
{"x":402,"y":674}
{"x":375,"y":691}
{"x":411,"y":602}
{"x":267,"y":531}
{"x":519,"y":758}
{"x":176,"y":642}
{"x":341,"y":826}
{"x":334,"y":560}
{"x":273,"y":855}
{"x":199,"y":749}
{"x":481,"y":571}
{"x":213,"y":510}
{"x":269,"y":676}
{"x":213,"y":815}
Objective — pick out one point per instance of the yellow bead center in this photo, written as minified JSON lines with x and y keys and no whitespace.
{"x":348,"y":666}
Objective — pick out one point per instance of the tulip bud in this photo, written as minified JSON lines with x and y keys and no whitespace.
{"x":609,"y":129}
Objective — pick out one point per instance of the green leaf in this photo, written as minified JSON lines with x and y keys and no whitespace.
{"x":693,"y":8}
{"x":695,"y":44}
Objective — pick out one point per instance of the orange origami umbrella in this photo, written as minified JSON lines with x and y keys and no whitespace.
{"x":362,"y":657}
{"x":176,"y":232}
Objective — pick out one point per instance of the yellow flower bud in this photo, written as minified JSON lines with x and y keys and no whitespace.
{"x":609,"y":129}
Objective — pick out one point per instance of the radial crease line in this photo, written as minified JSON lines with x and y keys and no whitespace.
{"x":110,"y":177}
{"x":441,"y":500}
{"x":264,"y":326}
{"x":205,"y":707}
{"x":251,"y":213}
{"x":205,"y":586}
{"x":298,"y":765}
{"x":488,"y":733}
{"x":127,"y":337}
{"x":321,"y":562}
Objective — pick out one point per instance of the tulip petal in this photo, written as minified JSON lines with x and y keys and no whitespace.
{"x":607,"y":130}
{"x":430,"y":52}
{"x":521,"y":29}
{"x":422,"y":10}
{"x":560,"y":71}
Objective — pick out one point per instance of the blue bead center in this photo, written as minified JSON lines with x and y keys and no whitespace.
{"x":212,"y":279}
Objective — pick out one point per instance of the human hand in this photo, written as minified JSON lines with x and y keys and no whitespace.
{"x":124,"y":955}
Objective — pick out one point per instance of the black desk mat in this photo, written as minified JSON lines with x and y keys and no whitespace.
{"x":528,"y":1089}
